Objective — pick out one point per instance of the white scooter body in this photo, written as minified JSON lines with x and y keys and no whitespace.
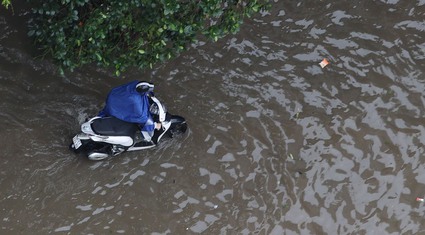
{"x":127,"y":137}
{"x":86,"y":128}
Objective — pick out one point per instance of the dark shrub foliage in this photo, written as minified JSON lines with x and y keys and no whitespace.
{"x":127,"y":33}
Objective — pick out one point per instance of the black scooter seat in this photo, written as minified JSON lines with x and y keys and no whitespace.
{"x":112,"y":126}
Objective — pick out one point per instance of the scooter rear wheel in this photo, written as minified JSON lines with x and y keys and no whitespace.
{"x":97,"y":156}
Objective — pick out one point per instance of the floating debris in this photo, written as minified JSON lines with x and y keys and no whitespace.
{"x":324,"y":63}
{"x":418,"y":199}
{"x":297,"y":115}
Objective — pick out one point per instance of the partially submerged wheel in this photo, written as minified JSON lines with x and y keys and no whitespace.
{"x":96,"y":156}
{"x":179,"y":128}
{"x":100,"y":152}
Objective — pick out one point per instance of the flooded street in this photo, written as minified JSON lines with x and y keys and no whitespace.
{"x":276,"y":144}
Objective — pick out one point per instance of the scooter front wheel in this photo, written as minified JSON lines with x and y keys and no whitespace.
{"x":178,"y":128}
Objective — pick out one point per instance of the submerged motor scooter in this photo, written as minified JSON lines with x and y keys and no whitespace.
{"x":103,"y":137}
{"x":117,"y":128}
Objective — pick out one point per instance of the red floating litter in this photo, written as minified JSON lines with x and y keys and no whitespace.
{"x":324,"y":63}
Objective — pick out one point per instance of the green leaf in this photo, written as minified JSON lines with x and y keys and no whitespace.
{"x":99,"y":57}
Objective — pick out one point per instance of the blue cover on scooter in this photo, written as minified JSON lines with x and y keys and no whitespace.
{"x":125,"y":103}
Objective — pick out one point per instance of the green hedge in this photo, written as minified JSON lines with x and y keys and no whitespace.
{"x":120,"y":34}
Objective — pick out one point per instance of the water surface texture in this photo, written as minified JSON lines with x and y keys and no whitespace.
{"x":276,"y":144}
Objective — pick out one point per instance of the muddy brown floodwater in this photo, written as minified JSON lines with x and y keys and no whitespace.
{"x":276,"y":144}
